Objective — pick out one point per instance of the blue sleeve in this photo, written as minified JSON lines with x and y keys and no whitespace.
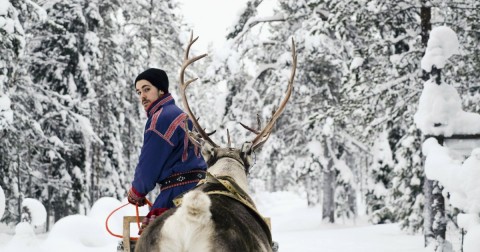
{"x":153,"y":156}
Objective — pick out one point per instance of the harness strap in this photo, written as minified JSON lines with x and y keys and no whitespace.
{"x":237,"y":191}
{"x":233,"y":191}
{"x":243,"y":201}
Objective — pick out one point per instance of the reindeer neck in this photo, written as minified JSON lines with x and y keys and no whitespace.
{"x":230,"y":167}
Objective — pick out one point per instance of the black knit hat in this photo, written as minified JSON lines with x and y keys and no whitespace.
{"x":156,"y":76}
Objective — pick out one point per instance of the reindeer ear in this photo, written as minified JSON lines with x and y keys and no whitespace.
{"x":208,"y":151}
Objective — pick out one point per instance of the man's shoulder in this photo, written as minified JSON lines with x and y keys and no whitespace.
{"x":170,"y":111}
{"x":165,"y":117}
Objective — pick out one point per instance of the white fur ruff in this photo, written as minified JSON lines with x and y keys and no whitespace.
{"x":189,"y":229}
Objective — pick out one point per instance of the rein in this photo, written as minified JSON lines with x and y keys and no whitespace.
{"x":118,"y":208}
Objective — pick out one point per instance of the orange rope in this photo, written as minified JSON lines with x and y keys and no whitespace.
{"x":138,"y":220}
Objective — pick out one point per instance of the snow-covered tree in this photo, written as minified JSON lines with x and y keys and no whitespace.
{"x":408,"y":181}
{"x":381,"y":175}
{"x":13,"y":130}
{"x":63,"y":54}
{"x":440,"y":115}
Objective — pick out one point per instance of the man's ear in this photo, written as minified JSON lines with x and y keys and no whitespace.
{"x":160,"y":92}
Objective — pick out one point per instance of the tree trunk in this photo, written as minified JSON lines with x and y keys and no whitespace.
{"x":273,"y":179}
{"x":428,"y":235}
{"x":49,"y":197}
{"x":434,"y":219}
{"x":328,"y":209}
{"x":438,"y":209}
{"x":328,"y":204}
{"x":426,"y":26}
{"x":19,"y":182}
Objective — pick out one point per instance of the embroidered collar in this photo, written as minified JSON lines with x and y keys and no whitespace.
{"x":156,"y":105}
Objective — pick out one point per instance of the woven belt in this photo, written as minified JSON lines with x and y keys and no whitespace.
{"x":182,"y":178}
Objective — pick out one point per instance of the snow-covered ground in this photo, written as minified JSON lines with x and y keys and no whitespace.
{"x":295,"y":227}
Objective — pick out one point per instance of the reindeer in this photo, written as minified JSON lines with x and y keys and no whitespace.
{"x":218,"y":214}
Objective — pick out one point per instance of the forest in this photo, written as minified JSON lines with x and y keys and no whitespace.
{"x":71,"y":125}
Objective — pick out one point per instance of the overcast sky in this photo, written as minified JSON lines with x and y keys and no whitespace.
{"x":210,"y":18}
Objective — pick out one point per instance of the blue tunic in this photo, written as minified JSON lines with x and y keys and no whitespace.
{"x":166,"y":150}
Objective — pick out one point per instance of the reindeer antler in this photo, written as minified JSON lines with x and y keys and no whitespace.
{"x":262,"y":137}
{"x":184,"y":85}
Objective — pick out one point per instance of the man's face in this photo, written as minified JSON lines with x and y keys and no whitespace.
{"x":147,"y":93}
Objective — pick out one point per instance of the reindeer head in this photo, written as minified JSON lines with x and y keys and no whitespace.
{"x":229,"y":161}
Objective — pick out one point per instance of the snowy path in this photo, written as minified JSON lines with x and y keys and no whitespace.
{"x":299,"y":228}
{"x":380,"y":238}
{"x":295,"y":227}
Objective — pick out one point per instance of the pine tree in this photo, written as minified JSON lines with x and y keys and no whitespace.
{"x":408,"y":182}
{"x":111,"y":159}
{"x":317,"y":88}
{"x":61,"y":60}
{"x":16,"y":133}
{"x":381,"y":174}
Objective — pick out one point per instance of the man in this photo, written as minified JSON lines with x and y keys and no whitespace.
{"x":167,"y":156}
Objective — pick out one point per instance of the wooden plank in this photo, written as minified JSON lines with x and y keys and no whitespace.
{"x":127,"y":220}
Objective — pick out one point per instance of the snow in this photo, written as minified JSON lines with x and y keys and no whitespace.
{"x":4,"y":5}
{"x":460,"y":179}
{"x":221,"y":91}
{"x":86,"y":127}
{"x":472,"y":243}
{"x":442,"y":44}
{"x":41,"y":12}
{"x":328,"y":127}
{"x":6,"y":114}
{"x":440,"y":107}
{"x":75,"y":232}
{"x":382,"y":154}
{"x":24,"y":239}
{"x":205,"y":22}
{"x":356,"y":63}
{"x":38,"y":213}
{"x":6,"y":23}
{"x":345,"y":173}
{"x":213,"y":33}
{"x":78,"y":233}
{"x":315,"y":148}
{"x":440,"y":113}
{"x":295,"y":226}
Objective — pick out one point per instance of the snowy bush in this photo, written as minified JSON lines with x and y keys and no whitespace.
{"x":33,"y":212}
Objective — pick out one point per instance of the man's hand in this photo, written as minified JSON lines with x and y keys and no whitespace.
{"x":134,"y":199}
